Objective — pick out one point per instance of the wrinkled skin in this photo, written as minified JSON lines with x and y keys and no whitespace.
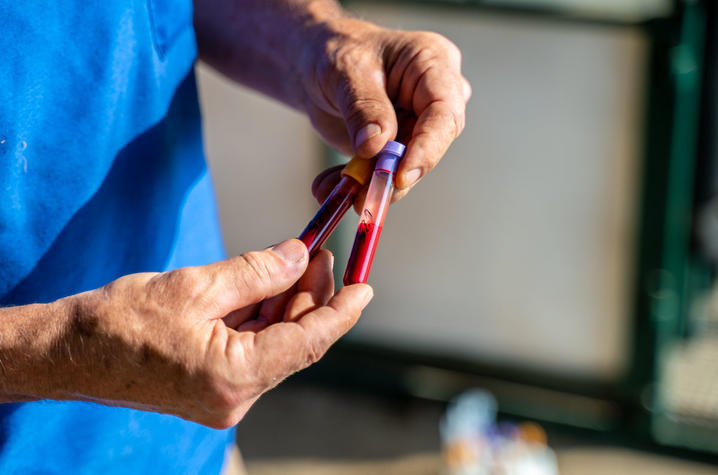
{"x":202,"y":343}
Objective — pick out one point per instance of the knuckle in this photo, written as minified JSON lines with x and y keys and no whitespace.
{"x":352,"y":58}
{"x":452,"y":51}
{"x":466,"y":87}
{"x":110,"y":288}
{"x":453,"y":119}
{"x":456,"y":119}
{"x":442,"y":42}
{"x":359,"y":106}
{"x":347,"y":59}
{"x":315,"y":352}
{"x":255,"y":269}
{"x":439,"y":46}
{"x":426,"y":56}
{"x":179,"y":280}
{"x":361,"y":109}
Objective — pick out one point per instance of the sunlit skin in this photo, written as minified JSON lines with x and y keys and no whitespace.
{"x":203,"y":343}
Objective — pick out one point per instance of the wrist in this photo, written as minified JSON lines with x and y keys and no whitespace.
{"x":30,"y":349}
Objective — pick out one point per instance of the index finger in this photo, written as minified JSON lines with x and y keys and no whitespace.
{"x":440,"y":102}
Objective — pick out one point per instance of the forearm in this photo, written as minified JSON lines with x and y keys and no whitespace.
{"x":260,"y":42}
{"x":31,"y":339}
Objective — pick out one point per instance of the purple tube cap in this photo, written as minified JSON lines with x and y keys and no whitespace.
{"x":389,"y":157}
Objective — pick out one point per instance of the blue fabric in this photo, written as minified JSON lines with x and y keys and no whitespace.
{"x":101,"y":174}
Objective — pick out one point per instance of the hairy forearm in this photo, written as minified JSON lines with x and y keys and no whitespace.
{"x":259,"y":42}
{"x":31,"y":336}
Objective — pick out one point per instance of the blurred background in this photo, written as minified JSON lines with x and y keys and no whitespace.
{"x":560,"y":258}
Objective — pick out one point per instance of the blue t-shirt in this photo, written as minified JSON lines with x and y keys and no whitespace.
{"x":102,"y":174}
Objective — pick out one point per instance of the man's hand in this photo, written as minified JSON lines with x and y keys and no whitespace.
{"x":357,"y":75}
{"x":348,"y":75}
{"x":202,"y":343}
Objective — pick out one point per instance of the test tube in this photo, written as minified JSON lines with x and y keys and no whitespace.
{"x":354,"y":176}
{"x":371,"y":222}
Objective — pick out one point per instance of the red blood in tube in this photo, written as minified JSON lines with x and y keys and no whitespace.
{"x":330,"y":214}
{"x":308,"y":236}
{"x":362,"y":254}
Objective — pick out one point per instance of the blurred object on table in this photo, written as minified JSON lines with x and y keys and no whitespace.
{"x":473,"y":443}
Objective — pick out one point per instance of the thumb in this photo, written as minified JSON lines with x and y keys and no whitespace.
{"x":368,"y":113}
{"x":256,"y":276}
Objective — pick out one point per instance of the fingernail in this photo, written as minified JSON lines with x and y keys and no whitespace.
{"x":290,"y":250}
{"x":368,"y":295}
{"x":412,"y":176}
{"x":367,"y":132}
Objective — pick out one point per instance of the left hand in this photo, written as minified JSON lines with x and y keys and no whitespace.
{"x":202,"y":343}
{"x":355,"y":76}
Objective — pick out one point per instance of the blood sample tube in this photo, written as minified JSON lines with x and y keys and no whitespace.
{"x":354,"y":176}
{"x":371,"y":222}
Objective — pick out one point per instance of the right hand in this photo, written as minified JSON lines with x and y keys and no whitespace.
{"x":203,"y":343}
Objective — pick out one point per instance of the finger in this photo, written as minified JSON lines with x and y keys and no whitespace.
{"x":399,"y":194}
{"x":327,"y":186}
{"x":319,"y":278}
{"x":466,"y":89}
{"x":324,"y":326}
{"x":435,"y":130}
{"x":267,"y":312}
{"x":424,"y":52}
{"x":255,"y":325}
{"x":255,"y":276}
{"x":320,"y":178}
{"x":237,"y":317}
{"x":366,"y":108}
{"x":273,"y":309}
{"x":359,"y":201}
{"x":314,"y":289}
{"x":282,"y":349}
{"x":406,"y":128}
{"x":438,"y":100}
{"x":332,"y":129}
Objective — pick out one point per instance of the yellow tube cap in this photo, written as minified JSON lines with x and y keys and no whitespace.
{"x":360,"y":169}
